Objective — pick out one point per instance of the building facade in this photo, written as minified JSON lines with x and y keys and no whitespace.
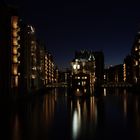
{"x":128,"y":69}
{"x":26,"y":65}
{"x":83,"y":73}
{"x":135,"y":52}
{"x":9,"y":50}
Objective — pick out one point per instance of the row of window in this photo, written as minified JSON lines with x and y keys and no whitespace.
{"x":78,"y":77}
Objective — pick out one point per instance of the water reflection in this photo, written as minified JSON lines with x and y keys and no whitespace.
{"x":16,"y":128}
{"x":125,"y":104}
{"x":76,"y":121}
{"x":104,"y":91}
{"x":56,"y":116}
{"x":83,"y":116}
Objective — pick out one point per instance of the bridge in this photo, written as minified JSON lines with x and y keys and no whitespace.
{"x":108,"y":84}
{"x":57,"y":85}
{"x":113,"y":84}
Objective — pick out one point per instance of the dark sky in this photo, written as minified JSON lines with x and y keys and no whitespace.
{"x":67,"y":26}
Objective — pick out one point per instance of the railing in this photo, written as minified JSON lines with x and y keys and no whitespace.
{"x":121,"y":84}
{"x":57,"y":85}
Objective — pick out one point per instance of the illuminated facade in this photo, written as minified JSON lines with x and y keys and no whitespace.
{"x":49,"y":69}
{"x":29,"y":72}
{"x":128,"y":69}
{"x":41,"y":63}
{"x":9,"y":50}
{"x":15,"y":54}
{"x":135,"y":52}
{"x":115,"y":74}
{"x":83,"y":73}
{"x":26,"y":66}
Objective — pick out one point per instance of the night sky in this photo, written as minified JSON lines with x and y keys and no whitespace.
{"x":67,"y":26}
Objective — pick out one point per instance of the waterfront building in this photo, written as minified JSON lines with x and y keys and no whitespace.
{"x":83,"y":73}
{"x":9,"y":50}
{"x":135,"y":52}
{"x":128,"y":69}
{"x":26,"y":65}
{"x":114,"y":74}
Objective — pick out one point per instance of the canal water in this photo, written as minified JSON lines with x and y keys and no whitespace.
{"x":113,"y":116}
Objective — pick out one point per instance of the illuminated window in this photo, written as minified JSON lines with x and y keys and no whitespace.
{"x":15,"y":25}
{"x":77,"y":90}
{"x":136,"y":49}
{"x":84,"y":77}
{"x":83,"y":83}
{"x":15,"y":59}
{"x":16,"y":81}
{"x":14,"y":22}
{"x":85,"y":90}
{"x":78,"y":66}
{"x":136,"y":63}
{"x":78,"y":83}
{"x":15,"y":41}
{"x":78,"y":77}
{"x":14,"y":33}
{"x":74,"y":67}
{"x":14,"y":50}
{"x":14,"y":69}
{"x":33,"y":76}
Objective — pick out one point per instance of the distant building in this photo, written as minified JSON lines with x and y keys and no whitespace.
{"x":41,"y":51}
{"x":50,"y":68}
{"x":115,"y":74}
{"x":65,"y":77}
{"x":99,"y":66}
{"x":128,"y":69}
{"x":29,"y":72}
{"x":83,"y":73}
{"x":135,"y":52}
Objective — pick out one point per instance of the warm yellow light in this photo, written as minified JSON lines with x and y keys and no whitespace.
{"x":85,"y":90}
{"x":124,"y":72}
{"x":104,"y":91}
{"x":14,"y":22}
{"x":15,"y":59}
{"x":74,"y":67}
{"x":15,"y":33}
{"x":16,"y":81}
{"x":15,"y":42}
{"x":136,"y":63}
{"x":33,"y":76}
{"x":14,"y":50}
{"x":77,"y":90}
{"x":136,"y":49}
{"x":83,"y":83}
{"x":15,"y":70}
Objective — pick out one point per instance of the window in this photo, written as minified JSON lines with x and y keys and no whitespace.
{"x":83,"y":83}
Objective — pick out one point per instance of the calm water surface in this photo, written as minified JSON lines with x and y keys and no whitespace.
{"x":114,"y":116}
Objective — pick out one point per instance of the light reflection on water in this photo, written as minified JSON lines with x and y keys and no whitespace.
{"x":76,"y":121}
{"x":115,"y":115}
{"x":83,"y":111}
